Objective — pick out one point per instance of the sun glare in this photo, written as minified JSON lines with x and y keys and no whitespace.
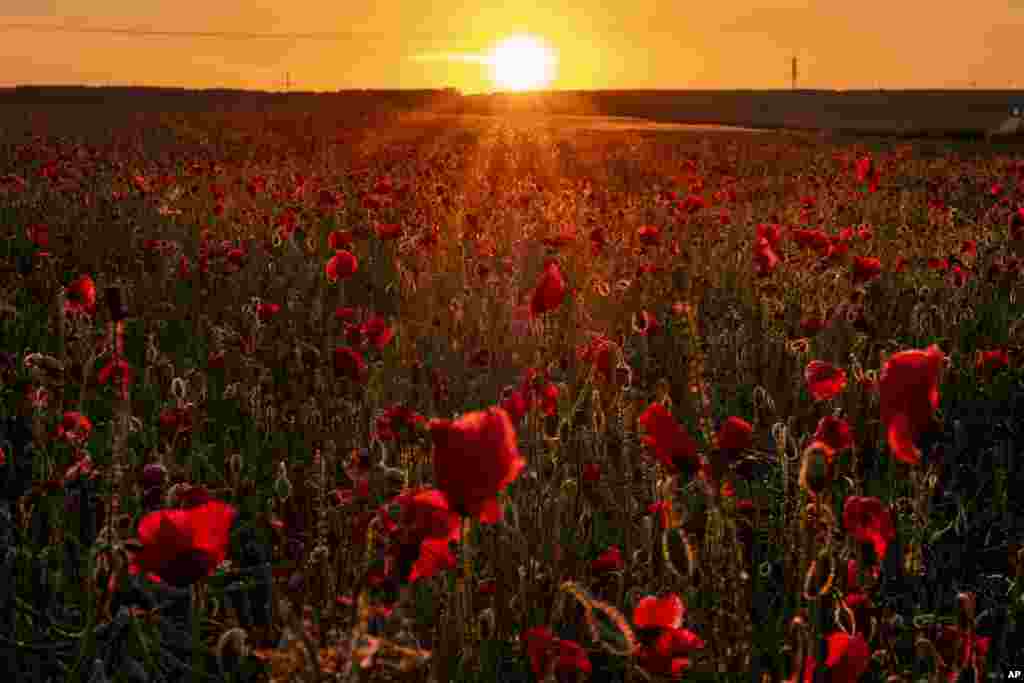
{"x":522,"y":63}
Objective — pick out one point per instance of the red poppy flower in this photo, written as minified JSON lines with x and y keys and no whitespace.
{"x":475,"y":457}
{"x":550,"y":291}
{"x":868,"y":520}
{"x":608,"y":561}
{"x":960,"y":649}
{"x":909,"y":396}
{"x":516,"y":405}
{"x":988,"y":361}
{"x":388,"y":231}
{"x":667,"y":656}
{"x":349,"y":362}
{"x":342,"y":265}
{"x":81,"y":296}
{"x":38,"y":234}
{"x":591,"y":472}
{"x":339,"y":239}
{"x":649,"y":235}
{"x":664,"y":645}
{"x":848,"y":659}
{"x":548,"y":653}
{"x":74,"y":428}
{"x":183,"y":546}
{"x":377,"y":332}
{"x":173,"y":420}
{"x":834,"y":432}
{"x":824,"y":380}
{"x":425,"y":528}
{"x":118,"y":370}
{"x":654,"y":612}
{"x":765,"y":257}
{"x":865,"y":269}
{"x":811,"y":325}
{"x":735,"y":435}
{"x":267,"y":311}
{"x":671,"y":445}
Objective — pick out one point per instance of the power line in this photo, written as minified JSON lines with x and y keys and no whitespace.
{"x":154,"y":33}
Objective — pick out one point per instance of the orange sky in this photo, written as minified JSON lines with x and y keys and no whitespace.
{"x":601,"y":43}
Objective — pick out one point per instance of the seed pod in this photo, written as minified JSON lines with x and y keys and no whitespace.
{"x":816,"y":470}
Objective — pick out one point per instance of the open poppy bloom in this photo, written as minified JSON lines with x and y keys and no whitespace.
{"x":663,"y":644}
{"x":476,"y":456}
{"x":909,"y":396}
{"x":550,"y":291}
{"x":425,"y":528}
{"x":834,"y":432}
{"x":868,"y":520}
{"x":670,"y":443}
{"x":848,"y":658}
{"x":548,"y":653}
{"x":342,"y":265}
{"x":81,"y":296}
{"x":183,"y":546}
{"x":824,"y":380}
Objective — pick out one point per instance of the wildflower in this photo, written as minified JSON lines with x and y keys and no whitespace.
{"x":425,"y":527}
{"x":182,"y":546}
{"x":865,"y":269}
{"x":548,"y":653}
{"x":342,"y":265}
{"x":868,"y":520}
{"x":349,"y":362}
{"x":550,"y":291}
{"x":848,"y":658}
{"x":608,"y":561}
{"x":671,"y":445}
{"x":475,"y":457}
{"x":824,"y":380}
{"x":909,"y":396}
{"x":664,"y":644}
{"x":74,"y":428}
{"x":81,"y":296}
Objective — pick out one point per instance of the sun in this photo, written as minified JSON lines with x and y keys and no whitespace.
{"x":522,"y":62}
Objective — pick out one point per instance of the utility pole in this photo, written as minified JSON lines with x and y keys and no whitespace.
{"x":794,"y":72}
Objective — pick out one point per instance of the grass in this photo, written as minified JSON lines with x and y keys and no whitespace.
{"x":282,"y":435}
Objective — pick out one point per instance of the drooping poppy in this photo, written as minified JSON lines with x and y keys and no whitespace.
{"x":909,"y":396}
{"x":182,"y":546}
{"x":475,"y":457}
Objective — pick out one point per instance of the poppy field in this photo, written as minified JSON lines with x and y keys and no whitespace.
{"x":288,"y":397}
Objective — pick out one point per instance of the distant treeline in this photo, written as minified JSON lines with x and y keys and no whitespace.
{"x":908,"y":112}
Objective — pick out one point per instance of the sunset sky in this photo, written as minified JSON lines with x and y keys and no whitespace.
{"x":600,"y":43}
